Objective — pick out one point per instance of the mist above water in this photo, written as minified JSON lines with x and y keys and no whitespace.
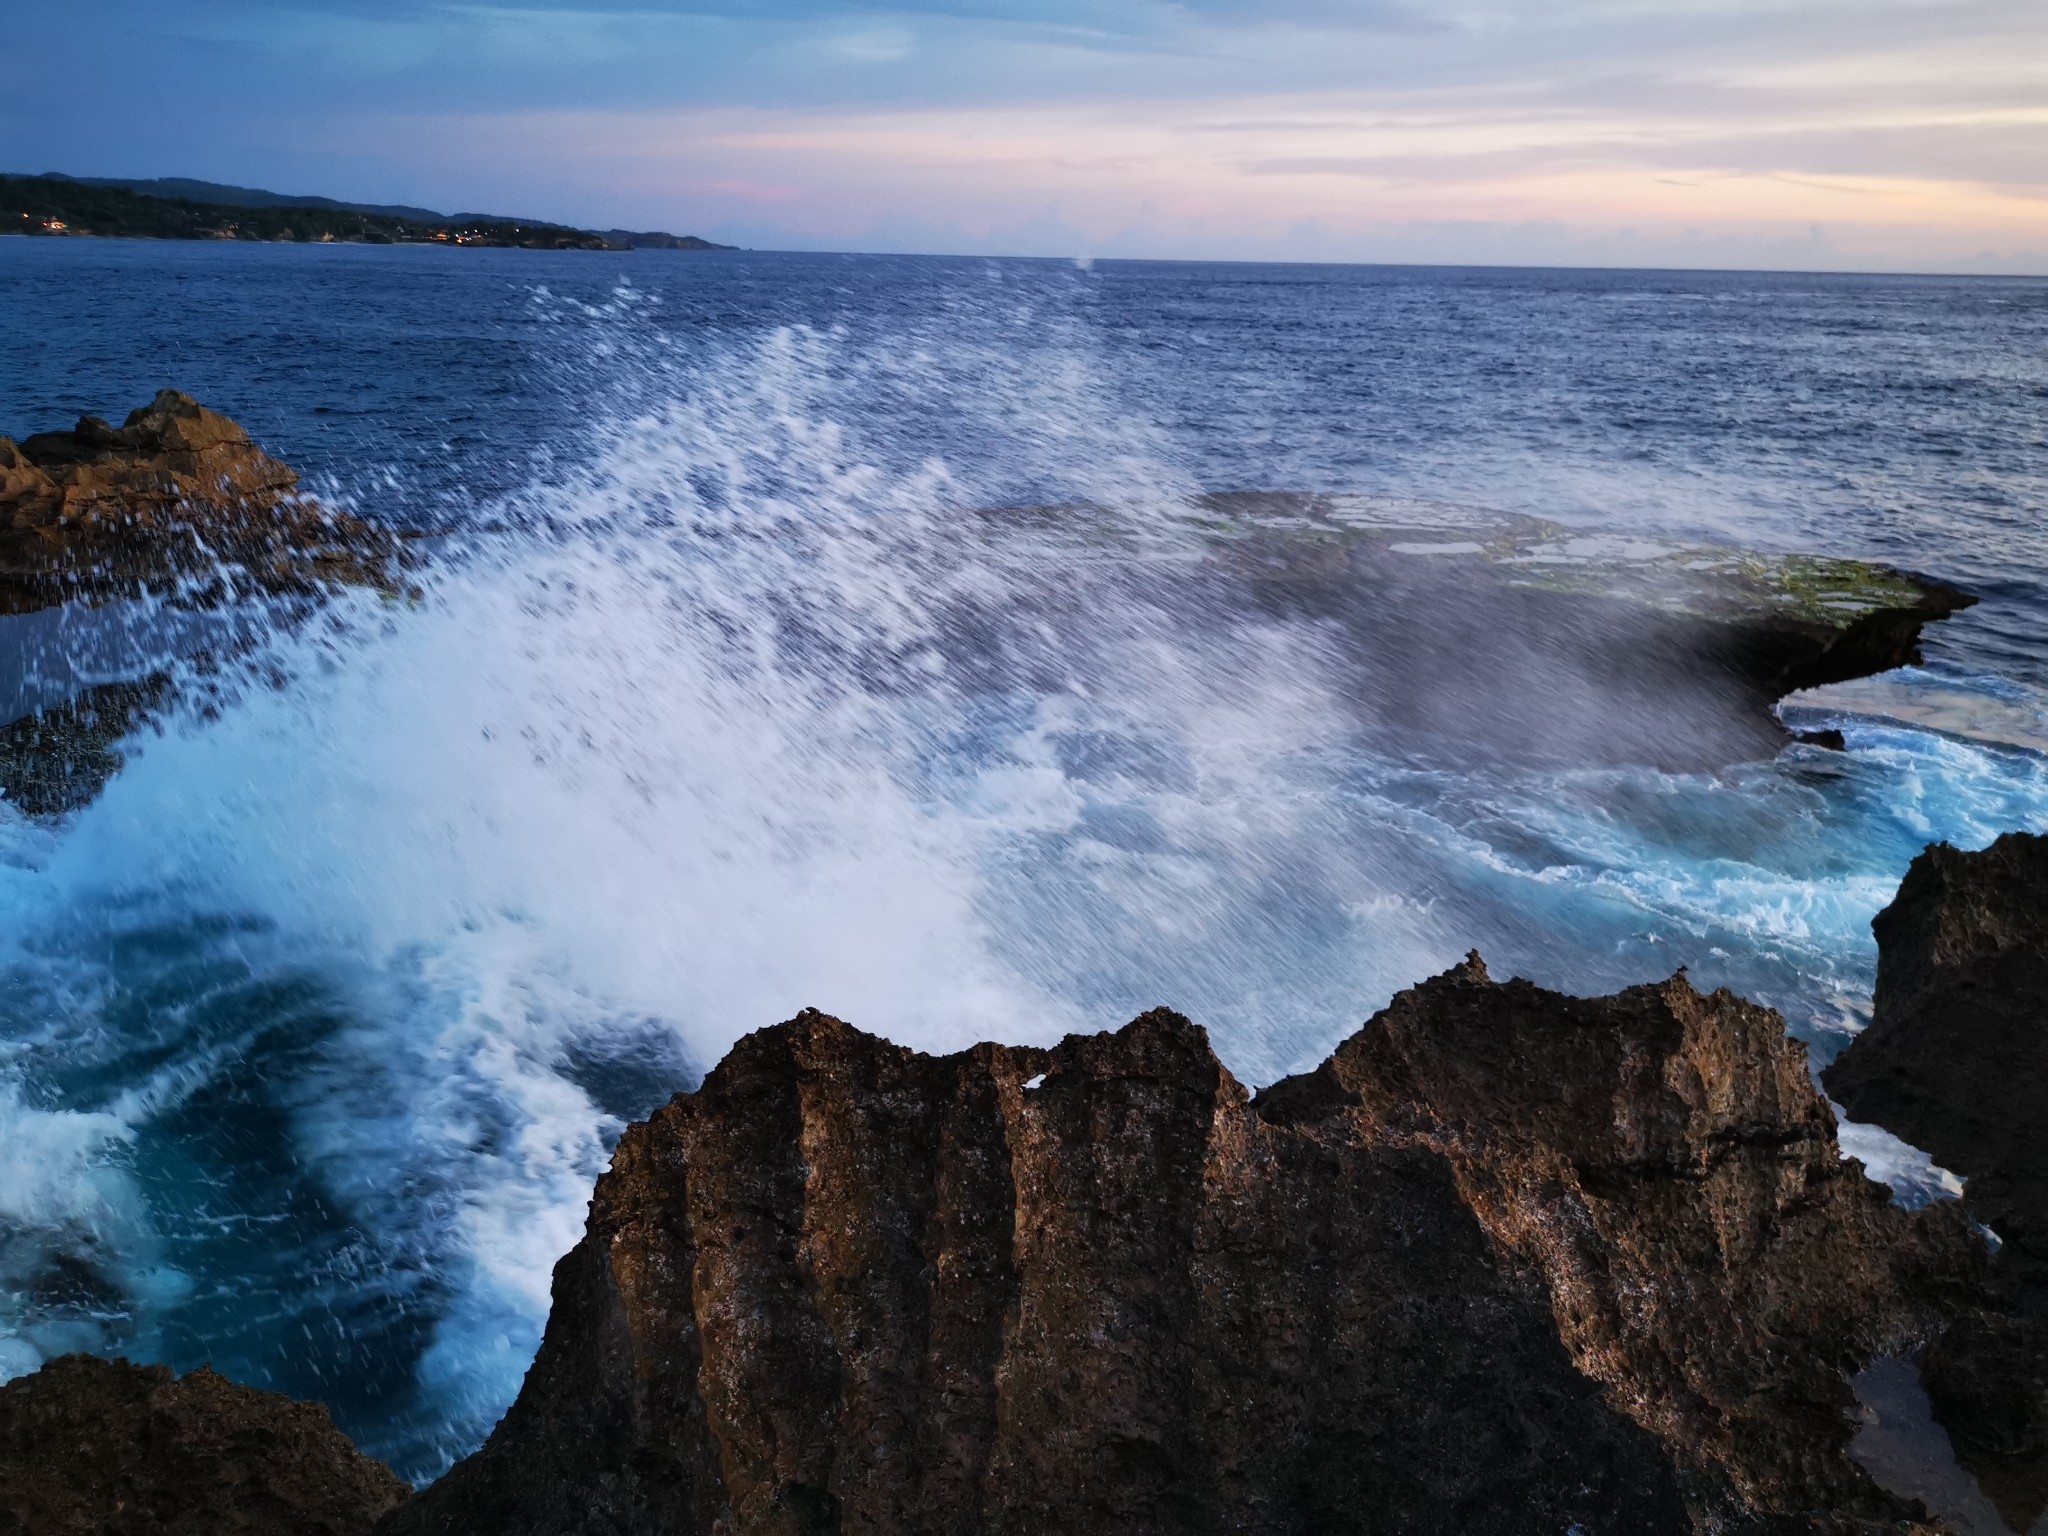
{"x":749,"y":697}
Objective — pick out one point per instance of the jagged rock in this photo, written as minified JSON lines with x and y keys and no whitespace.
{"x":94,"y":1447}
{"x":1508,"y":1262}
{"x":176,"y":500}
{"x":1956,"y":1061}
{"x":1662,"y":1160}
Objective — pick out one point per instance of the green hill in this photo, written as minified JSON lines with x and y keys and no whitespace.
{"x":172,"y":208}
{"x":184,"y":189}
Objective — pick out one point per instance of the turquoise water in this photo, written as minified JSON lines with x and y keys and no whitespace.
{"x":724,"y":696}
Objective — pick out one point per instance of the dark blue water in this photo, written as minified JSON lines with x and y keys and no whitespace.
{"x":320,"y":1022}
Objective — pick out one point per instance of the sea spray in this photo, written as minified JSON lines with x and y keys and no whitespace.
{"x":815,"y":666}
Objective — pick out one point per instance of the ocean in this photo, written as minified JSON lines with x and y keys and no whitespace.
{"x":805,"y":630}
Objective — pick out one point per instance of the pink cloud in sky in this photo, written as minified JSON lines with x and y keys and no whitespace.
{"x":1854,"y":133}
{"x":1382,"y":175}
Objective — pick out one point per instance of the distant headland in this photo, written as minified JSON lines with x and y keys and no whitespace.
{"x":174,"y":208}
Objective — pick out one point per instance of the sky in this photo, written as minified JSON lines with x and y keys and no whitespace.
{"x":1837,"y":134}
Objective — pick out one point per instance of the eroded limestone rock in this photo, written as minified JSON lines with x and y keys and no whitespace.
{"x":1508,"y":1262}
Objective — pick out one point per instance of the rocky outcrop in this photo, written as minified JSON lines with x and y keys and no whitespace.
{"x":1661,"y":1160}
{"x":103,"y":1448}
{"x":1529,"y":641}
{"x":178,"y":501}
{"x":1956,"y":1061}
{"x":1508,"y":1262}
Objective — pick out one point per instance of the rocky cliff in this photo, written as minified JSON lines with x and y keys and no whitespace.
{"x":1956,"y":1061}
{"x":1508,"y":1262}
{"x":104,"y":1448}
{"x":177,"y":500}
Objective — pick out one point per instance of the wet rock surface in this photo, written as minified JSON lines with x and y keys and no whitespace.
{"x":1956,"y":1061}
{"x":1454,"y":637}
{"x":176,"y":500}
{"x":94,"y":1447}
{"x":1520,"y":642}
{"x":60,"y":758}
{"x":176,"y":505}
{"x":1534,"y":642}
{"x":1509,"y":1261}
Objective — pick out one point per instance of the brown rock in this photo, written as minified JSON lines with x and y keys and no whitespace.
{"x":1508,"y":1262}
{"x":94,"y":1447}
{"x":1661,"y":1159}
{"x":176,"y":500}
{"x":1956,"y":1061}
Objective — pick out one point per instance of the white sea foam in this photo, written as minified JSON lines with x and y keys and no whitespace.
{"x":734,"y":720}
{"x":685,"y":753}
{"x":1915,"y":1178}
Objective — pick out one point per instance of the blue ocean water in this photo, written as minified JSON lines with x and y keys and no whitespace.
{"x":726,"y":694}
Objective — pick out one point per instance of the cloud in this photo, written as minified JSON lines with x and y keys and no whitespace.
{"x":1912,"y":130}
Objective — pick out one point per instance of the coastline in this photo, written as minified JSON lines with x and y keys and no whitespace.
{"x":59,"y":207}
{"x":1810,"y":773}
